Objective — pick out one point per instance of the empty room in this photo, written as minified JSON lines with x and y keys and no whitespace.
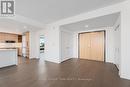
{"x":64,"y":43}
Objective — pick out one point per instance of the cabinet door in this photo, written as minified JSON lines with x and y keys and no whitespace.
{"x":2,"y":37}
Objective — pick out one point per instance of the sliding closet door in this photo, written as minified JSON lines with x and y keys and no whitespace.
{"x":91,"y":46}
{"x":85,"y":45}
{"x":97,"y":46}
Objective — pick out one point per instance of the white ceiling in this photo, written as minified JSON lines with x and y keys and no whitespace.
{"x":103,"y":21}
{"x":12,"y":26}
{"x":48,"y":11}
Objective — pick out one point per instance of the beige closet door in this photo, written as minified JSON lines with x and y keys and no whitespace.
{"x":92,"y":46}
{"x":85,"y":45}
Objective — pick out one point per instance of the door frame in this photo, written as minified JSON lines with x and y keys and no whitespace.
{"x":39,"y":45}
{"x":91,"y":32}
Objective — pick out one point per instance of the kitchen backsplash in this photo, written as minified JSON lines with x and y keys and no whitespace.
{"x":10,"y":45}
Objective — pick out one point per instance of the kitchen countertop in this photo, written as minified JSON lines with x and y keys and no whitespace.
{"x":4,"y":49}
{"x":9,"y":48}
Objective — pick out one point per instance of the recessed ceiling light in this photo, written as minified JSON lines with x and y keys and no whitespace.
{"x":86,"y":26}
{"x":25,"y":27}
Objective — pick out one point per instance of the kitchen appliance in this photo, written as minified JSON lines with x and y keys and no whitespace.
{"x":10,"y":41}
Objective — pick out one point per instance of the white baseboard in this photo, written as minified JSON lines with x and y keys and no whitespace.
{"x":54,"y":61}
{"x":65,"y":59}
{"x":125,"y":77}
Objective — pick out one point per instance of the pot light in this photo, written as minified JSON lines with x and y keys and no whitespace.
{"x":86,"y":26}
{"x":25,"y":27}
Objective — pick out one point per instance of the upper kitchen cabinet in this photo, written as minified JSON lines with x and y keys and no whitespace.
{"x":5,"y":37}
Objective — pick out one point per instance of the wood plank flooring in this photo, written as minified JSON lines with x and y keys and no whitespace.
{"x":71,"y":73}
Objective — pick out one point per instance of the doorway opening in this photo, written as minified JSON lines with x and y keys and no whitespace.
{"x":42,"y":46}
{"x":25,"y":54}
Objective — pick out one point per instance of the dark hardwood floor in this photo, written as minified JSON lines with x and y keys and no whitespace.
{"x":23,"y":60}
{"x":71,"y":73}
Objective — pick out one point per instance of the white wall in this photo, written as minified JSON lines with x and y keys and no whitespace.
{"x":33,"y":45}
{"x":7,"y":30}
{"x":109,"y":43}
{"x":66,"y":43}
{"x":117,"y":42}
{"x":125,"y":41}
{"x":52,"y":43}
